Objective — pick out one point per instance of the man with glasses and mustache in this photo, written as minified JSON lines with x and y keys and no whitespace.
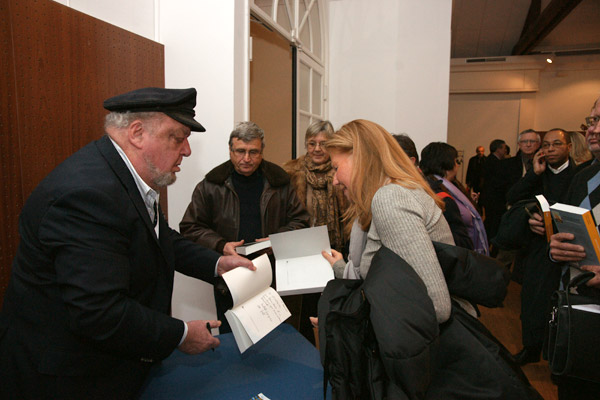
{"x":551,"y":173}
{"x":243,"y":200}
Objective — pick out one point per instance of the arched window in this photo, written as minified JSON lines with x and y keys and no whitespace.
{"x":302,"y":22}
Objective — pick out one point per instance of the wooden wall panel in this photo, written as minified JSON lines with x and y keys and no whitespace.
{"x":11,"y":195}
{"x":61,"y":64}
{"x":271,"y":91}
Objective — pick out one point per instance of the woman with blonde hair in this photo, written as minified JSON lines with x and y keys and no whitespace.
{"x":579,"y":149}
{"x":391,"y":205}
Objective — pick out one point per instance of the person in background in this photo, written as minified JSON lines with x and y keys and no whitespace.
{"x":516,"y":167}
{"x":391,"y":205}
{"x":580,"y":154}
{"x":242,"y":200}
{"x":474,"y":177}
{"x":550,"y":175}
{"x":493,"y":193}
{"x":312,"y":177}
{"x":87,"y":310}
{"x":408,"y":146}
{"x":584,"y":191}
{"x":439,"y":163}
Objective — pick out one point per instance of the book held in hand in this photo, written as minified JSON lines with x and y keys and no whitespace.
{"x":545,"y":211}
{"x":257,"y":308}
{"x":252,"y":247}
{"x":580,"y":222}
{"x":300,"y":267}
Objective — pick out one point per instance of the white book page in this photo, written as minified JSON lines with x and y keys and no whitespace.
{"x":593,"y":308}
{"x":543,"y":203}
{"x":244,"y":284}
{"x":261,"y":314}
{"x":300,"y":242}
{"x":242,"y":339}
{"x":308,"y":274}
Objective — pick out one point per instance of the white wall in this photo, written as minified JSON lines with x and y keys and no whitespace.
{"x":137,"y":16}
{"x":389,"y":62}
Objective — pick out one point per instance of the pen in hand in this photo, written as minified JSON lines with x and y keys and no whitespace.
{"x":209,"y":331}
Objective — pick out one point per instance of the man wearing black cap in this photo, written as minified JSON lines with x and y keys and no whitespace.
{"x":86,"y":312}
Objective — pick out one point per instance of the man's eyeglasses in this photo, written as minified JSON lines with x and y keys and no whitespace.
{"x":592,"y":121}
{"x":241,"y":153}
{"x":556,"y":144}
{"x":529,"y":141}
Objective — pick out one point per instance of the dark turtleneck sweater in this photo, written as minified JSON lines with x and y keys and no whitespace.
{"x":249,"y":189}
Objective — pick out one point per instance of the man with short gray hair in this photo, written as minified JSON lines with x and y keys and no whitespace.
{"x":244,"y":199}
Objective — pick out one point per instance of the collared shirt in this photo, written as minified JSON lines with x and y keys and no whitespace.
{"x":560,"y":169}
{"x":149,"y":195}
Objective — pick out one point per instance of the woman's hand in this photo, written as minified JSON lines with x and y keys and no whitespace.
{"x":333,"y":257}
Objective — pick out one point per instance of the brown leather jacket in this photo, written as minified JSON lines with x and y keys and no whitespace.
{"x":213,"y":216}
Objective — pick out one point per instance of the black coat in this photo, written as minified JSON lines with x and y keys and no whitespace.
{"x":421,"y":359}
{"x":87,"y":308}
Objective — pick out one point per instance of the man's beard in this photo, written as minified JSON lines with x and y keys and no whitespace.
{"x":165,"y":179}
{"x":160,"y":179}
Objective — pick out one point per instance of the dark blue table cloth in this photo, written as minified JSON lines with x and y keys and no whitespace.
{"x":283,"y":365}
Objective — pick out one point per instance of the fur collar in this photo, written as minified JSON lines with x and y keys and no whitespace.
{"x":274,"y":174}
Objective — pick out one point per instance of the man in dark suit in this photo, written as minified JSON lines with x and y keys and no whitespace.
{"x":493,"y":193}
{"x":474,"y":177}
{"x":86,"y":312}
{"x":550,"y":175}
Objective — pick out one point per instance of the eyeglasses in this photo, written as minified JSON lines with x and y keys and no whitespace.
{"x":242,"y":153}
{"x":530,"y":141}
{"x":313,"y":145}
{"x":592,"y":121}
{"x":556,"y":144}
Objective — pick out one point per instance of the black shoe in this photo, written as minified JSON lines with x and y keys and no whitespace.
{"x":527,"y":356}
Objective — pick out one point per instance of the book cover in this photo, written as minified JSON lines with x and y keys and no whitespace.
{"x":299,"y":266}
{"x":580,"y":222}
{"x":252,"y":247}
{"x":257,"y":308}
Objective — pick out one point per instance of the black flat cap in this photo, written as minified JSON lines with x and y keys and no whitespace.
{"x":176,"y":103}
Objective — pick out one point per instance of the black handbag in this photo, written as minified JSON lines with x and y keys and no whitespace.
{"x":573,"y":342}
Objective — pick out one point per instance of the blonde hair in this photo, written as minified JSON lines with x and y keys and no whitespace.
{"x":377,"y":160}
{"x":579,"y":150}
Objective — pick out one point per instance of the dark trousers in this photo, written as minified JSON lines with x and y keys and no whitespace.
{"x":541,"y":278}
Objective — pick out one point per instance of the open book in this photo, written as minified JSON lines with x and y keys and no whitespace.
{"x":252,"y":247}
{"x":257,"y":308}
{"x":580,"y":222}
{"x":299,"y":266}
